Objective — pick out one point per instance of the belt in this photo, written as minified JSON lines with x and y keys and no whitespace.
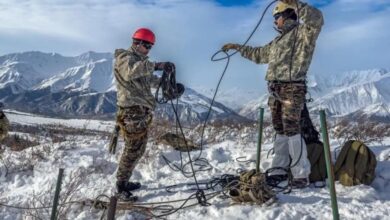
{"x":287,"y":82}
{"x":142,"y":108}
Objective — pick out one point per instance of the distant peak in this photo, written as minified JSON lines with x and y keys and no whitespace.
{"x":92,"y":56}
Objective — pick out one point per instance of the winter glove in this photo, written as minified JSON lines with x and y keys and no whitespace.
{"x":166,"y":66}
{"x":159,"y":66}
{"x":229,"y":46}
{"x":169,"y":67}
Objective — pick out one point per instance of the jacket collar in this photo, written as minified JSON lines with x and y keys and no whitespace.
{"x":134,"y":51}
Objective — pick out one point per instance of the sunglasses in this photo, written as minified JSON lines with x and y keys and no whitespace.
{"x":147,"y":45}
{"x":277,"y":16}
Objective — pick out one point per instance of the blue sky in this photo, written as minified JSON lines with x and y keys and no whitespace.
{"x":235,"y":2}
{"x":355,"y":35}
{"x":232,"y":3}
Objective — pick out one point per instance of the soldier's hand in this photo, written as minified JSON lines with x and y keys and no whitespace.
{"x":169,"y":67}
{"x":229,"y":46}
{"x":159,"y":66}
{"x":166,"y":66}
{"x":289,"y":2}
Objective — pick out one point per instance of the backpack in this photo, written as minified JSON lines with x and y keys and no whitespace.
{"x":355,"y":164}
{"x":316,"y":156}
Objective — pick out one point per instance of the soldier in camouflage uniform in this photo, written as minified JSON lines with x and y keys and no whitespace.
{"x":288,"y":57}
{"x":134,"y":74}
{"x":4,"y":123}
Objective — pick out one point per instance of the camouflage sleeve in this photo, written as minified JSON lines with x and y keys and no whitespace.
{"x":259,"y":55}
{"x":140,"y":68}
{"x":312,"y":17}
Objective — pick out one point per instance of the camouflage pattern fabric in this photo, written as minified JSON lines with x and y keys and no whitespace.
{"x":4,"y":125}
{"x":134,"y":122}
{"x":252,"y":188}
{"x":278,"y":53}
{"x":134,"y":74}
{"x":286,"y":103}
{"x":177,"y":142}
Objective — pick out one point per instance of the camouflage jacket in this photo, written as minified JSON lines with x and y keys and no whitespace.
{"x":134,"y":74}
{"x":278,"y":53}
{"x":4,"y":125}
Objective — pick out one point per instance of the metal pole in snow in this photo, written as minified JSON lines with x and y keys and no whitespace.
{"x":112,"y":208}
{"x":259,"y":140}
{"x":329,"y":166}
{"x":57,"y":194}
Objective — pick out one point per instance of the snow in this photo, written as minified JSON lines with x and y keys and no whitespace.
{"x":31,"y":119}
{"x":88,"y":155}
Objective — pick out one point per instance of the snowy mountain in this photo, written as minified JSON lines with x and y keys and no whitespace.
{"x":233,"y":98}
{"x":84,"y":85}
{"x":92,"y":76}
{"x":37,"y":70}
{"x":193,"y":108}
{"x":353,"y":94}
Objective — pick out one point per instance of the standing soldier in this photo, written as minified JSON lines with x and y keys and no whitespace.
{"x":4,"y":123}
{"x":134,"y":74}
{"x":288,"y":57}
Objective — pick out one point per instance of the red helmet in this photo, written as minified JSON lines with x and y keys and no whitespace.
{"x":145,"y":35}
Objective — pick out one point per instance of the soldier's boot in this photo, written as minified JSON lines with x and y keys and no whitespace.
{"x":275,"y":180}
{"x":299,"y":183}
{"x":124,"y":189}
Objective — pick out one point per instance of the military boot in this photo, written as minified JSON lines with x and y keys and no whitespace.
{"x":124,"y":189}
{"x":299,"y":183}
{"x":275,"y":180}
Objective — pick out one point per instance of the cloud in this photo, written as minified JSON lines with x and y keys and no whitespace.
{"x":355,"y":36}
{"x":189,"y":32}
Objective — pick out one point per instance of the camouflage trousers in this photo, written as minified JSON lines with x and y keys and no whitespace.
{"x":134,"y":123}
{"x":286,"y":102}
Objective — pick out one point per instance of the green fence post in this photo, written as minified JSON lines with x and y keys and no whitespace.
{"x":112,"y":208}
{"x":260,"y":137}
{"x":57,"y":195}
{"x":329,"y":165}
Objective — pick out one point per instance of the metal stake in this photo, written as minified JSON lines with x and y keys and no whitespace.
{"x":57,"y":195}
{"x":112,"y":208}
{"x":260,"y":137}
{"x":329,"y":166}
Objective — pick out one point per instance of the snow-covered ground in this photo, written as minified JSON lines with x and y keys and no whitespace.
{"x":86,"y":159}
{"x":23,"y":118}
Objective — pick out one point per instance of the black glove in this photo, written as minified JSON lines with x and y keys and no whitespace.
{"x":159,"y":66}
{"x":165,"y":66}
{"x":169,"y":67}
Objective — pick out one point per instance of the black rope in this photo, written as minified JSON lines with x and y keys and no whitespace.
{"x":204,"y":165}
{"x":170,"y":90}
{"x":200,"y":195}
